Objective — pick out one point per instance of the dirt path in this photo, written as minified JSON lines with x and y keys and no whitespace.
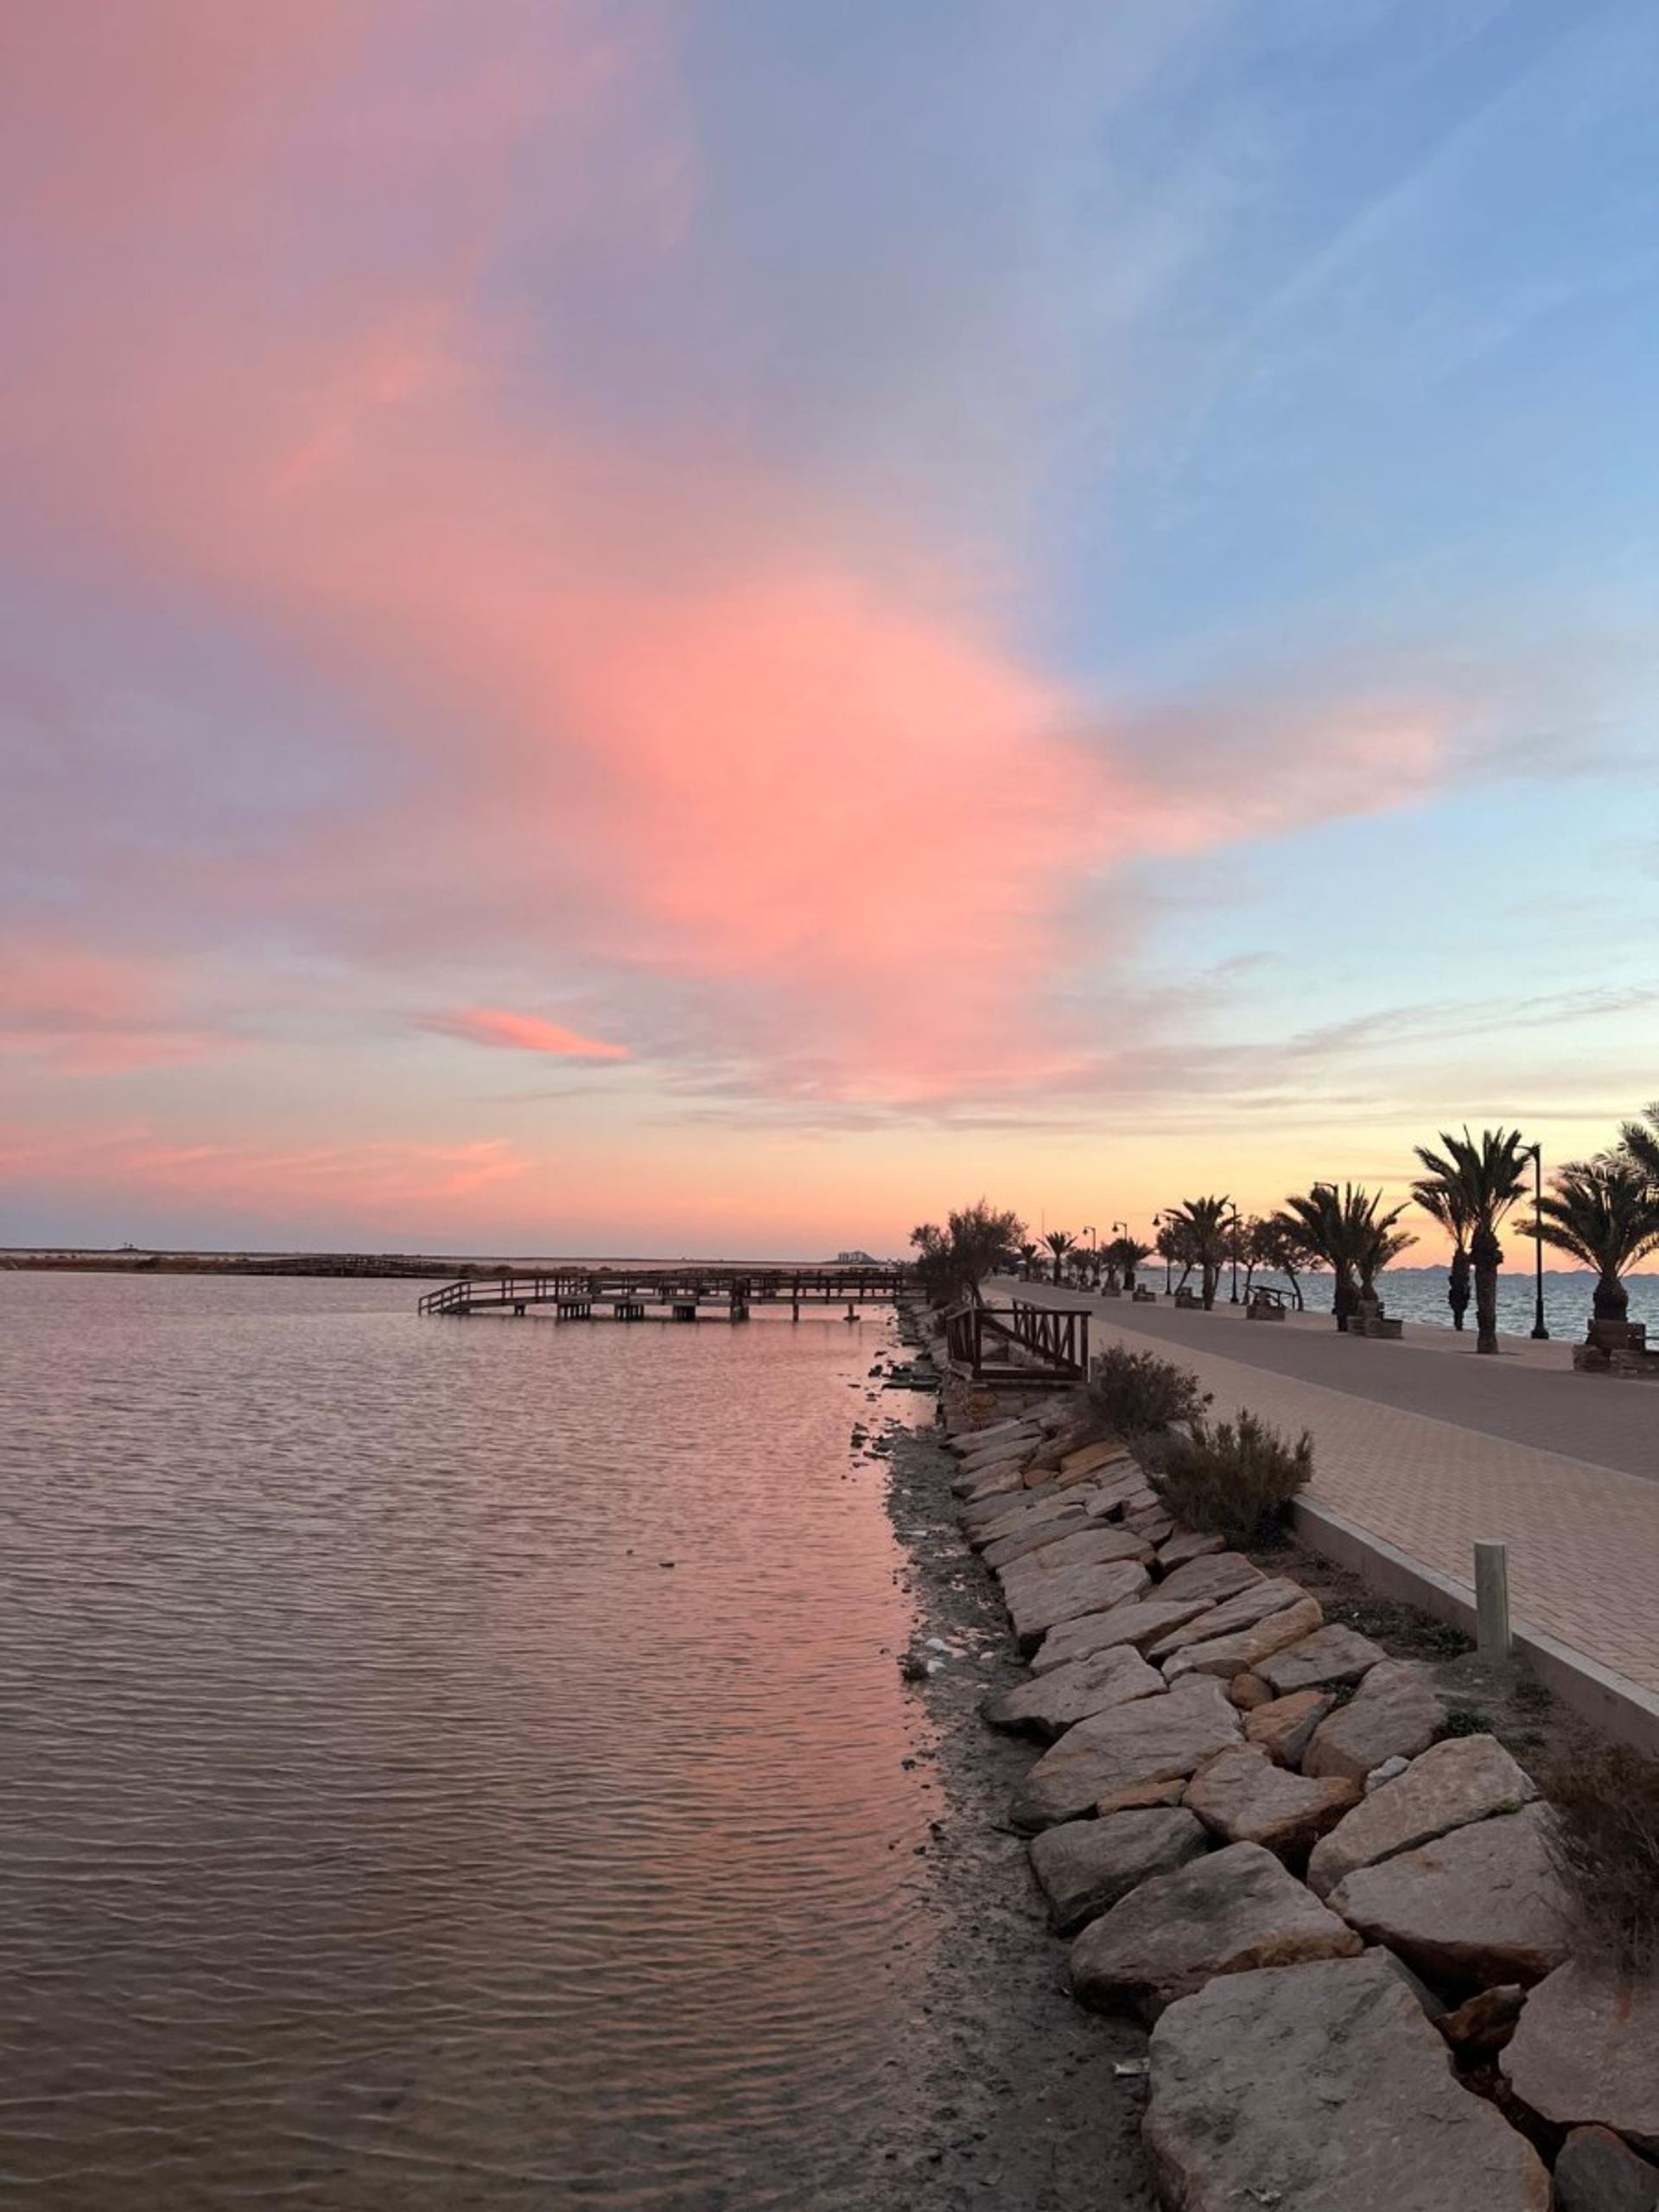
{"x":1016,"y":2105}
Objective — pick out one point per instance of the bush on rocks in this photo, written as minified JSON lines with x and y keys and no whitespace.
{"x":1236,"y":1479}
{"x":1134,"y":1393}
{"x":1605,"y":1845}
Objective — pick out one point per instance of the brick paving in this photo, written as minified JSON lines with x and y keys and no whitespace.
{"x":1430,"y":1452}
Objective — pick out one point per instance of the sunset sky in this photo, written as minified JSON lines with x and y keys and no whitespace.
{"x":715,"y":626}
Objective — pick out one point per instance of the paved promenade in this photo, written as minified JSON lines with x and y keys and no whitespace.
{"x":1430,"y":1447}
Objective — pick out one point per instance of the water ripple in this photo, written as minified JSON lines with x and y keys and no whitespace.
{"x":385,"y":1823}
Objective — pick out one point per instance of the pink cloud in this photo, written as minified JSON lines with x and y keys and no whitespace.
{"x":93,"y":1013}
{"x":365,"y":1181}
{"x":640,"y":707}
{"x":523,"y":1033}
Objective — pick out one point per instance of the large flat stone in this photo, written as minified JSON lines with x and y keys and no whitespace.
{"x":1094,"y":1546}
{"x":997,"y":1432}
{"x":1273,"y":1594}
{"x":1066,"y":1593}
{"x":1249,"y":1649}
{"x":1466,"y":1778}
{"x":1283,"y":1725}
{"x":1241,"y":1796}
{"x":1480,"y":1904}
{"x":1019,"y":1544}
{"x":1085,"y":1867}
{"x":1216,"y":1576}
{"x":1153,"y":1739}
{"x":1597,"y":2172}
{"x":1050,"y":1704}
{"x":1587,"y":2050}
{"x":997,"y":1518}
{"x":1109,"y":1451}
{"x":1323,"y":2089}
{"x":1394,"y":1715}
{"x":1185,"y":1544}
{"x":1137,"y":1623}
{"x":1005,"y":1481}
{"x":1223,"y":1914}
{"x":1331,"y":1654}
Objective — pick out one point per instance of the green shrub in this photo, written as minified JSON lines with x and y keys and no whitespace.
{"x":1605,"y":1842}
{"x":1236,"y":1479}
{"x":1135,"y":1394}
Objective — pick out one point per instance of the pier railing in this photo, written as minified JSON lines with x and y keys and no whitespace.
{"x":1019,"y":1344}
{"x":679,"y":1290}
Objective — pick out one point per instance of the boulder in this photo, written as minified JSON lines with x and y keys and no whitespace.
{"x":1585,"y":2051}
{"x":1185,"y":1544}
{"x":1393,"y":1714}
{"x":1092,"y":1546}
{"x":1479,"y":1906}
{"x":1283,"y":1725}
{"x":1153,"y":1739}
{"x":1136,"y":1623}
{"x":1247,"y":1691}
{"x":1065,"y":1593}
{"x":1085,"y":1867}
{"x":1323,"y":2089}
{"x":1221,"y":1914}
{"x":1334,"y":1655}
{"x":1140,"y":1794}
{"x":1483,"y":2024}
{"x":1597,"y":2172}
{"x":1273,"y":1594}
{"x":1466,"y":1778}
{"x":1050,"y":1704}
{"x":1241,"y":1796}
{"x":1215,"y":1576}
{"x":1248,"y":1651}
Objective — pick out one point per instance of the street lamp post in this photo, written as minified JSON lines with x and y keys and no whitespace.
{"x":1089,"y":1231}
{"x":1234,"y":1300}
{"x":1539,"y":1328}
{"x":1161,"y":1220}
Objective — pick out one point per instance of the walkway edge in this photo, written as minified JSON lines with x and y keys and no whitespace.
{"x":1610,"y":1702}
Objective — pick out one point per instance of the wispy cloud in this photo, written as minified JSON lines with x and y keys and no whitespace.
{"x":522,"y":1032}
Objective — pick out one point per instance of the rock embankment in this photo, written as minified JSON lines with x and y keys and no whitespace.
{"x":1254,"y":1831}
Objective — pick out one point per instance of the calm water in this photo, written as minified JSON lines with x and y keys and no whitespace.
{"x":383,"y":1824}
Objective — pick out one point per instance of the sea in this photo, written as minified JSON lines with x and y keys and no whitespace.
{"x":446,"y":1764}
{"x":1419,"y":1295}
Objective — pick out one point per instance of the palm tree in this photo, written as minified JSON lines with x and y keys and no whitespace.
{"x":1202,"y":1221}
{"x":1443,"y":1203}
{"x":1345,"y":1230}
{"x":1060,"y":1243}
{"x":1639,"y":1142}
{"x":1488,"y":1176}
{"x":1028,"y":1259}
{"x":1606,"y":1213}
{"x":1376,"y":1243}
{"x":1124,"y":1255}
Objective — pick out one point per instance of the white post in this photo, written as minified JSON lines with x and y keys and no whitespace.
{"x":1492,"y":1637}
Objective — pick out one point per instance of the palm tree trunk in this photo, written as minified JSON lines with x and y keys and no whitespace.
{"x":1342,"y":1299}
{"x":1211,"y":1277}
{"x":1487,"y":1255}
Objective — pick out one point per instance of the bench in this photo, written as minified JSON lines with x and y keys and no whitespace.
{"x":1266,"y":1304}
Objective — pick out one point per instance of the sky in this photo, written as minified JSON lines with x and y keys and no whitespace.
{"x":690,"y":626}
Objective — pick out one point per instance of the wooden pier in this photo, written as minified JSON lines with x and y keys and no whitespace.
{"x":683,"y":1294}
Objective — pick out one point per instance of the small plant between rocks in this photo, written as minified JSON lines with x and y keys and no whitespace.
{"x":1237,"y":1478}
{"x":1136,"y":1394}
{"x":1604,"y":1844}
